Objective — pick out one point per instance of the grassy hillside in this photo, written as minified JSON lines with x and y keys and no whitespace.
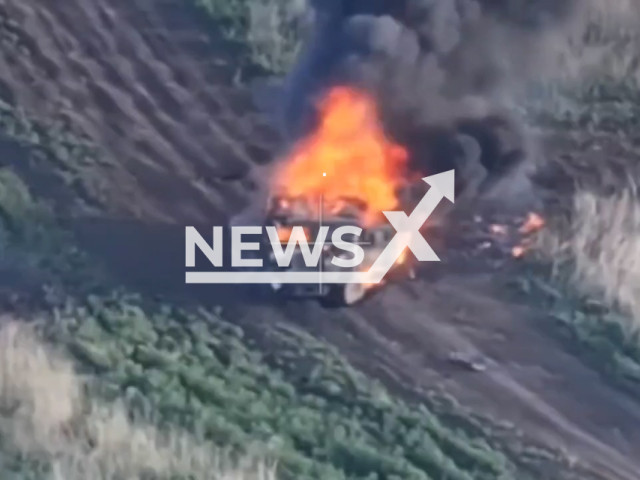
{"x":285,"y":397}
{"x":52,"y":429}
{"x":193,"y":370}
{"x":139,"y":378}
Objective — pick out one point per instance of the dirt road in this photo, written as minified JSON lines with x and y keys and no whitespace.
{"x":179,"y":142}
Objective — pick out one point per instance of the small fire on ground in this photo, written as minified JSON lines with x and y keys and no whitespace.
{"x":531,"y":224}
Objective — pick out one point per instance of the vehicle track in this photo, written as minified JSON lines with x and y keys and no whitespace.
{"x":158,"y":99}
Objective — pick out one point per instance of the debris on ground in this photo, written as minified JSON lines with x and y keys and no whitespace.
{"x":468,"y":361}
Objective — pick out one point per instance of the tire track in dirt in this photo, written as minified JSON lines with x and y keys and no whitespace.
{"x":138,"y":79}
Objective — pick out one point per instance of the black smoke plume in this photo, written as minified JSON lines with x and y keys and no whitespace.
{"x":438,"y":68}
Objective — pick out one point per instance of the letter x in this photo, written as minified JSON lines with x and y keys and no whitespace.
{"x":408,"y":235}
{"x":410,"y":226}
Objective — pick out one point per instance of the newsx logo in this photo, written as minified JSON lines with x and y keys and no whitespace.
{"x":407,"y":236}
{"x":282,"y":256}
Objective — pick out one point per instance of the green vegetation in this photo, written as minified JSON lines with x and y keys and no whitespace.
{"x":67,"y":161}
{"x":193,"y":369}
{"x":586,"y":326}
{"x":270,"y":29}
{"x":585,"y":283}
{"x":52,"y":429}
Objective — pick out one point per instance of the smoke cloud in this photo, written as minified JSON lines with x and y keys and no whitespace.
{"x":437,"y":67}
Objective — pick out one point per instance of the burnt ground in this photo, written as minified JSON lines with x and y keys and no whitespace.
{"x":179,"y":143}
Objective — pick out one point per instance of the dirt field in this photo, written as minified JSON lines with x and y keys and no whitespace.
{"x":179,"y":142}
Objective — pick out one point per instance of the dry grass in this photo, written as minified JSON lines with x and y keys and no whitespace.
{"x":600,"y":49}
{"x":601,"y":249}
{"x":45,"y":415}
{"x":603,"y":44}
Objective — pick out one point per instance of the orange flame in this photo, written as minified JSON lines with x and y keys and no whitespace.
{"x":402,"y":259}
{"x":347,"y":157}
{"x":533,"y":223}
{"x":285,"y":232}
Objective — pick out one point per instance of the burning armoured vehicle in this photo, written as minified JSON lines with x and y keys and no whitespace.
{"x":285,"y":213}
{"x":434,"y":83}
{"x":346,"y":173}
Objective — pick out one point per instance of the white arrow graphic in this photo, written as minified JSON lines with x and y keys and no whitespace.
{"x":408,"y":227}
{"x":407,"y":236}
